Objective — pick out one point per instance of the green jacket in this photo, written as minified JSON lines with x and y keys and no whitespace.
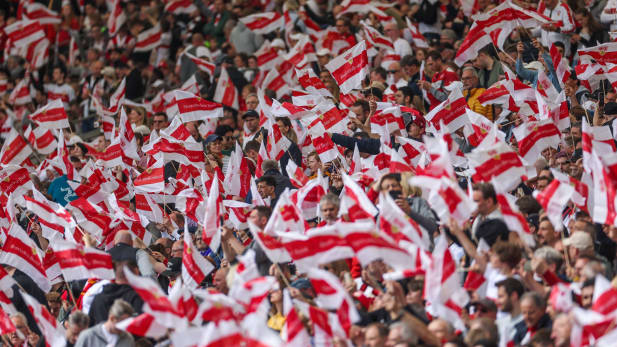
{"x":216,"y":31}
{"x":493,"y":75}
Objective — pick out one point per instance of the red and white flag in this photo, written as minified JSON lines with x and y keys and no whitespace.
{"x":194,"y":266}
{"x":264,"y":22}
{"x":42,"y":14}
{"x":192,"y":108}
{"x":116,"y":18}
{"x":512,"y":216}
{"x":442,"y":286}
{"x":475,"y":40}
{"x":447,"y":199}
{"x":418,"y":39}
{"x":202,"y":65}
{"x":212,"y":219}
{"x":293,"y":333}
{"x":534,"y":137}
{"x":561,"y":69}
{"x":319,"y":246}
{"x":73,"y":51}
{"x":581,"y":190}
{"x":394,"y":222}
{"x":21,"y":93}
{"x":78,"y":262}
{"x":452,"y":112}
{"x":54,"y":219}
{"x":226,"y":93}
{"x":350,"y":68}
{"x":285,"y":217}
{"x":51,"y":330}
{"x":24,"y":32}
{"x":295,"y":174}
{"x":499,"y":162}
{"x":152,"y":180}
{"x":325,"y":148}
{"x":156,"y":302}
{"x":51,"y":116}
{"x":22,"y":253}
{"x":148,"y":40}
{"x":311,"y":83}
{"x":602,"y":54}
{"x":604,"y":194}
{"x":377,"y":39}
{"x":180,"y":7}
{"x":354,"y":201}
{"x":15,"y":149}
{"x":554,"y":199}
{"x":143,"y":325}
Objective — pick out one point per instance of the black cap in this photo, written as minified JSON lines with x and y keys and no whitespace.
{"x":250,"y":113}
{"x":174,"y":267}
{"x":123,"y":252}
{"x":610,"y":108}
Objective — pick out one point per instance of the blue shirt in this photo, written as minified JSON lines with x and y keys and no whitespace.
{"x":60,"y":191}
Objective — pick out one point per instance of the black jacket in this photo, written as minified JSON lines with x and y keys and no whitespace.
{"x":99,"y":310}
{"x":31,"y":289}
{"x":369,"y":146}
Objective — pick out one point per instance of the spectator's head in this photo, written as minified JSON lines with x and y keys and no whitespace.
{"x":546,"y":236}
{"x":265,"y":186}
{"x":213,"y":144}
{"x":251,"y":120}
{"x":448,"y":37}
{"x":313,"y":162}
{"x":58,"y":74}
{"x":252,"y":149}
{"x":394,"y":72}
{"x":505,"y":256}
{"x":410,"y":65}
{"x":485,"y":58}
{"x":434,"y":61}
{"x":587,"y":293}
{"x":362,"y":109}
{"x":579,"y":243}
{"x":54,"y":301}
{"x":259,"y":216}
{"x":484,"y":195}
{"x":403,"y":96}
{"x":227,"y":136}
{"x":219,"y":281}
{"x":469,"y":77}
{"x":329,"y":207}
{"x":119,"y":311}
{"x":376,"y":335}
{"x":442,"y":329}
{"x":177,"y":248}
{"x":552,"y":257}
{"x":21,"y":325}
{"x":400,"y":334}
{"x":533,"y":307}
{"x":509,"y":292}
{"x":159,"y":121}
{"x":562,"y":328}
{"x":390,"y":182}
{"x":270,"y":166}
{"x":78,"y":321}
{"x":343,"y":25}
{"x":483,"y":329}
{"x":252,"y":101}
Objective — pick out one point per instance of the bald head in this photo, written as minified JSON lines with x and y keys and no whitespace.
{"x":123,"y":236}
{"x":391,"y":30}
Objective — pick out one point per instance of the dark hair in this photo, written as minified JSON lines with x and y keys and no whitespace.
{"x":263,"y":211}
{"x":511,"y":285}
{"x":269,"y":180}
{"x":409,"y":60}
{"x":381,"y":71}
{"x":221,"y":130}
{"x":381,"y":328}
{"x":508,"y":253}
{"x":528,"y":205}
{"x":407,"y":92}
{"x":487,"y":190}
{"x":364,"y":104}
{"x":160,"y":114}
{"x":435,"y":55}
{"x":252,"y":145}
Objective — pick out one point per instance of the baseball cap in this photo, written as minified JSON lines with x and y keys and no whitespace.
{"x":579,"y":239}
{"x":123,"y":252}
{"x":211,"y":138}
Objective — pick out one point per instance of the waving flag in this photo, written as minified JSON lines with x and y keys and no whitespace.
{"x":194,"y":266}
{"x":156,"y":302}
{"x":226,"y":93}
{"x":52,"y":331}
{"x":149,"y":39}
{"x":24,"y":32}
{"x":116,"y":18}
{"x":554,"y":199}
{"x":143,"y":325}
{"x":78,"y":262}
{"x":22,"y":253}
{"x":180,"y":7}
{"x":202,"y":65}
{"x":452,"y":112}
{"x":15,"y":149}
{"x":263,"y":23}
{"x":534,"y":137}
{"x":350,"y":68}
{"x":193,"y":108}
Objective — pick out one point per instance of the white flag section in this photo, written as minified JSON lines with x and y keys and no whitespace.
{"x":350,"y":68}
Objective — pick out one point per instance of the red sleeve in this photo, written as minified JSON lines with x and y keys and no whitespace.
{"x":551,"y":278}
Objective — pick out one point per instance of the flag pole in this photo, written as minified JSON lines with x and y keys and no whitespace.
{"x":68,"y":288}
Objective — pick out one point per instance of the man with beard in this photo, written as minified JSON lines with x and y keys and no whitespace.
{"x":509,"y":292}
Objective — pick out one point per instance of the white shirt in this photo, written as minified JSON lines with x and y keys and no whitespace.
{"x":63,"y":92}
{"x":109,"y":337}
{"x":609,"y":14}
{"x":402,"y":47}
{"x":561,"y":14}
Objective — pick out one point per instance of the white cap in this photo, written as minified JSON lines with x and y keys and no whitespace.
{"x":580,"y":240}
{"x":201,"y":52}
{"x":323,"y":51}
{"x":74,"y":139}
